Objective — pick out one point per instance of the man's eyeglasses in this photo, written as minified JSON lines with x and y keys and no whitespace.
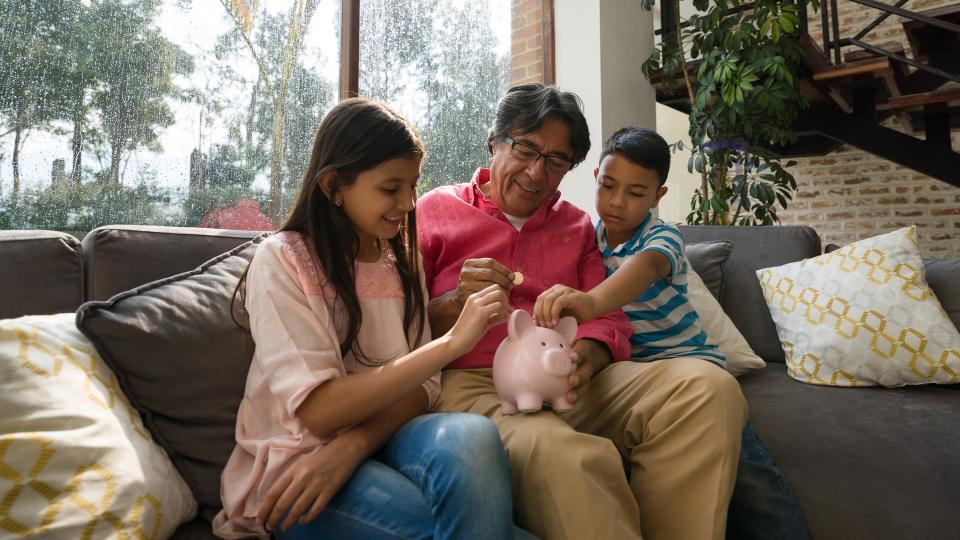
{"x":525,"y":152}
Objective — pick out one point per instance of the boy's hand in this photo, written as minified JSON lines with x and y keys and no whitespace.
{"x":562,"y":300}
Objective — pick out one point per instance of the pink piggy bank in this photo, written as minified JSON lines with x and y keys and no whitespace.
{"x":533,"y":364}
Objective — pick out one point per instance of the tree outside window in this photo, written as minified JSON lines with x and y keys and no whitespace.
{"x":175,"y":112}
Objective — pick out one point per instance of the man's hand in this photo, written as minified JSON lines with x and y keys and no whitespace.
{"x":475,"y":275}
{"x":590,"y":357}
{"x":478,"y":274}
{"x":306,"y":487}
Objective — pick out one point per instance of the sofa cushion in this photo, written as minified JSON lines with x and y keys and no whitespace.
{"x":863,"y":315}
{"x":75,"y":459}
{"x":720,"y":329}
{"x":183,"y":362}
{"x":741,"y":295}
{"x":707,"y":260}
{"x":943,"y":276}
{"x":120,"y":257}
{"x":47,"y":268}
{"x":864,"y":463}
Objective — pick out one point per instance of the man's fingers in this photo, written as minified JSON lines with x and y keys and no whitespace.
{"x":484,"y":271}
{"x":492,"y":264}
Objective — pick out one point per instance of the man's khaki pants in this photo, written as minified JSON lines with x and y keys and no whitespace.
{"x":676,"y":423}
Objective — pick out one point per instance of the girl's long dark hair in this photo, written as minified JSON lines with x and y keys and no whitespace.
{"x":355,"y":136}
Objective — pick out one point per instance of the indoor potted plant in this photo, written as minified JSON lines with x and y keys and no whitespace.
{"x":739,"y":63}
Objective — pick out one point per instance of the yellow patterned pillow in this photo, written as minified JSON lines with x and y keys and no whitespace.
{"x":75,"y":459}
{"x":863,"y":316}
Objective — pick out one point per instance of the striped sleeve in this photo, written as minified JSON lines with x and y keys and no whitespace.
{"x":667,"y":240}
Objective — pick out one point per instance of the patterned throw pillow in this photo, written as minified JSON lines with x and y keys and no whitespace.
{"x":863,"y":315}
{"x":75,"y":459}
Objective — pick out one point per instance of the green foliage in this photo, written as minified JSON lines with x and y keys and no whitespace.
{"x":80,"y":209}
{"x":745,"y":97}
{"x":136,"y":78}
{"x":101,"y":78}
{"x":84,"y":208}
{"x":461,"y":105}
{"x":29,"y":95}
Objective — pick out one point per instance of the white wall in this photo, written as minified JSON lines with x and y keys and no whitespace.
{"x":600,"y":48}
{"x":674,"y":126}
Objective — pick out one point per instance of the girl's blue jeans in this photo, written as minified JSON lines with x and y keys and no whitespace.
{"x":440,"y":476}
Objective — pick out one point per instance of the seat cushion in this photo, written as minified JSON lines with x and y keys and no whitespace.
{"x":864,"y":463}
{"x":47,"y":268}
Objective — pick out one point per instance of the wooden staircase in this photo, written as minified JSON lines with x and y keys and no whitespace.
{"x":854,"y":96}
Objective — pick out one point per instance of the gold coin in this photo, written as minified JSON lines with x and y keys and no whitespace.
{"x":517,"y":278}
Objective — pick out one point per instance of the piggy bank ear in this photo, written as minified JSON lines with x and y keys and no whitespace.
{"x":567,"y":328}
{"x":520,"y":323}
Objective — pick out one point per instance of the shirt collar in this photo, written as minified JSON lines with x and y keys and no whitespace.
{"x":477,"y":199}
{"x":629,"y":246}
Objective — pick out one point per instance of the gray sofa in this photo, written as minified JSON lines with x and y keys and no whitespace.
{"x":864,"y":463}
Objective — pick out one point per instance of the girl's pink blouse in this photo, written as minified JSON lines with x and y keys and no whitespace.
{"x":297,"y":328}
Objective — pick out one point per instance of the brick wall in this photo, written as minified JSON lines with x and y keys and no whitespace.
{"x":526,"y":41}
{"x":846,"y":195}
{"x":849,"y":194}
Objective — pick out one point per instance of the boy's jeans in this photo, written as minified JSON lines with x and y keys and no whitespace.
{"x":439,"y":476}
{"x":762,"y":506}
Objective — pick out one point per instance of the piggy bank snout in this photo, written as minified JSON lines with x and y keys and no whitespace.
{"x":557,"y":362}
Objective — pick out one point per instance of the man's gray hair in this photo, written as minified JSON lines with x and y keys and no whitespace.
{"x":526,"y":107}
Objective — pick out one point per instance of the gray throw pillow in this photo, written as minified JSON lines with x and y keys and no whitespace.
{"x":182,"y":361}
{"x":943,"y":276}
{"x":707,"y":260}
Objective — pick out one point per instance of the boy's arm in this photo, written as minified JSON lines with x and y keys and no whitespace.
{"x":632,"y":279}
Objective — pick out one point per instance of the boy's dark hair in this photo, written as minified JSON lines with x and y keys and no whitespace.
{"x":526,"y":107}
{"x":643,"y":147}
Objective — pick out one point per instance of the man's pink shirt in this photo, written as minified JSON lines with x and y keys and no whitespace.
{"x":557,"y":244}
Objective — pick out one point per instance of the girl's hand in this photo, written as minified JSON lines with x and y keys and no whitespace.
{"x":305,"y":488}
{"x":482,"y":310}
{"x":562,"y":300}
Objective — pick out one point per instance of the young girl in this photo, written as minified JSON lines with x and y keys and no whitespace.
{"x":332,"y":441}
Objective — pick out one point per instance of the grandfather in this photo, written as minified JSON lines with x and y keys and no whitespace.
{"x":676,"y":426}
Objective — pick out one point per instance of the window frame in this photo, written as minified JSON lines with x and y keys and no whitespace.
{"x":350,"y":46}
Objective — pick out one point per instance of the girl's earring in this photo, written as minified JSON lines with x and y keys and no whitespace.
{"x":338,"y":201}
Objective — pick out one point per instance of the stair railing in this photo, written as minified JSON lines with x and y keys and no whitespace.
{"x":830,"y":26}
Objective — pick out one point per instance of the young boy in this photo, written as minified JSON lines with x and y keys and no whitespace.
{"x":647,"y":278}
{"x":646,"y":268}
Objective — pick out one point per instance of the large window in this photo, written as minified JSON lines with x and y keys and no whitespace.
{"x":203,"y":112}
{"x":443,"y":64}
